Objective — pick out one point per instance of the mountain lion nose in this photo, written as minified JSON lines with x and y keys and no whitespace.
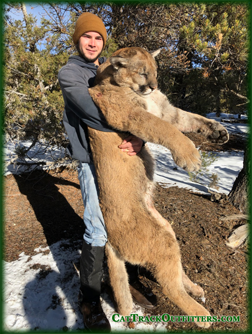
{"x":153,"y":86}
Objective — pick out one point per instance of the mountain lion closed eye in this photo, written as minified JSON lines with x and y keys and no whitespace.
{"x":126,"y":92}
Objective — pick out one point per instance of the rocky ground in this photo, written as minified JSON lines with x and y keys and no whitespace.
{"x":42,"y":208}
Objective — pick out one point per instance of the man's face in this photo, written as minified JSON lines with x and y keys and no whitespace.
{"x":90,"y":46}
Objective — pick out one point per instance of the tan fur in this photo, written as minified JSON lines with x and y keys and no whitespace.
{"x":119,"y":280}
{"x":137,"y":233}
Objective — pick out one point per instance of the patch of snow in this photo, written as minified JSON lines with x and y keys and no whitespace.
{"x":39,"y":153}
{"x":41,"y":293}
{"x":227,"y":167}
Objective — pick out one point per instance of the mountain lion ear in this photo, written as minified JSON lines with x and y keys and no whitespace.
{"x":118,"y":62}
{"x":155,"y":53}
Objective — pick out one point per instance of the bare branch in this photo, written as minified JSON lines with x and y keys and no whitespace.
{"x":23,"y":8}
{"x":239,"y":95}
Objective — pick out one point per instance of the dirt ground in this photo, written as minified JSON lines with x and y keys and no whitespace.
{"x":42,"y":208}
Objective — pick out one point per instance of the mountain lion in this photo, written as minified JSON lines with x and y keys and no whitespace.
{"x":126,"y":92}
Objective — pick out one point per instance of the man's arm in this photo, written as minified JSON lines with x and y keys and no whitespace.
{"x":74,"y":88}
{"x":76,"y":96}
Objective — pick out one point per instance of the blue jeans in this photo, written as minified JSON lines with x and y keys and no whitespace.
{"x":95,"y":231}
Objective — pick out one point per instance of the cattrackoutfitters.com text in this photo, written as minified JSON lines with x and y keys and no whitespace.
{"x":173,"y":318}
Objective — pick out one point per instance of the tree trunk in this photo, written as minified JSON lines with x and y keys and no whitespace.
{"x":238,"y":196}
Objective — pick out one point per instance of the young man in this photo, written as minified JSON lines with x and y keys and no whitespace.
{"x":75,"y":78}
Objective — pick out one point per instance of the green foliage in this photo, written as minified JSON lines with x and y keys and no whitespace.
{"x":215,"y":39}
{"x":110,"y":48}
{"x":207,"y":158}
{"x":33,"y":100}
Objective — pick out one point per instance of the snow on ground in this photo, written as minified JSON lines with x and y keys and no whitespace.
{"x":227,"y":166}
{"x":47,"y":299}
{"x":40,"y":152}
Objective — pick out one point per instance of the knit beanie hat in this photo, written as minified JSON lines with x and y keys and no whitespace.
{"x":89,"y":22}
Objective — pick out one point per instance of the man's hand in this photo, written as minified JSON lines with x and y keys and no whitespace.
{"x":132,"y":145}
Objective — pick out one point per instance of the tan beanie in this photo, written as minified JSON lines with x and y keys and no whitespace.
{"x":89,"y":22}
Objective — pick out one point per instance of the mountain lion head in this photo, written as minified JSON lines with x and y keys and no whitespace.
{"x":131,"y":67}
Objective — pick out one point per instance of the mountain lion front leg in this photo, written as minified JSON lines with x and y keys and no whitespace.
{"x":125,"y":116}
{"x":189,"y":122}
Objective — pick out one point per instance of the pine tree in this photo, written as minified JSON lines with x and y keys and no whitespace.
{"x":33,"y":100}
{"x":217,"y":39}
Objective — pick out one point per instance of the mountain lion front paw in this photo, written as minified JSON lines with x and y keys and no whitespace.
{"x":187,"y":156}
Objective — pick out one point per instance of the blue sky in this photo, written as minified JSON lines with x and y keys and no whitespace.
{"x":32,"y":8}
{"x":36,"y":10}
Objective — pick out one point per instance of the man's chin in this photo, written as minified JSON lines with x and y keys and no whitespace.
{"x":90,"y":58}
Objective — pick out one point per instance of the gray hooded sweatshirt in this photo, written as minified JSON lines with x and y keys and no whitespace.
{"x":80,"y":111}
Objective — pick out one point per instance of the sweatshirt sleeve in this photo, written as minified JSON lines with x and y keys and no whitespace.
{"x":74,"y":88}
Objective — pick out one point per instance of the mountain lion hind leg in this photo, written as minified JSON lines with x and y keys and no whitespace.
{"x":119,"y":281}
{"x":191,"y":287}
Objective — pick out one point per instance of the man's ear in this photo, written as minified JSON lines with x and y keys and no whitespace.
{"x":118,"y":62}
{"x":155,"y":53}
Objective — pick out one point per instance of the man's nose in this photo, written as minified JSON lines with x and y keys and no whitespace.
{"x":92,"y":42}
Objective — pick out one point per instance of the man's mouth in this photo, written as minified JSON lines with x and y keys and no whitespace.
{"x":91,"y":51}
